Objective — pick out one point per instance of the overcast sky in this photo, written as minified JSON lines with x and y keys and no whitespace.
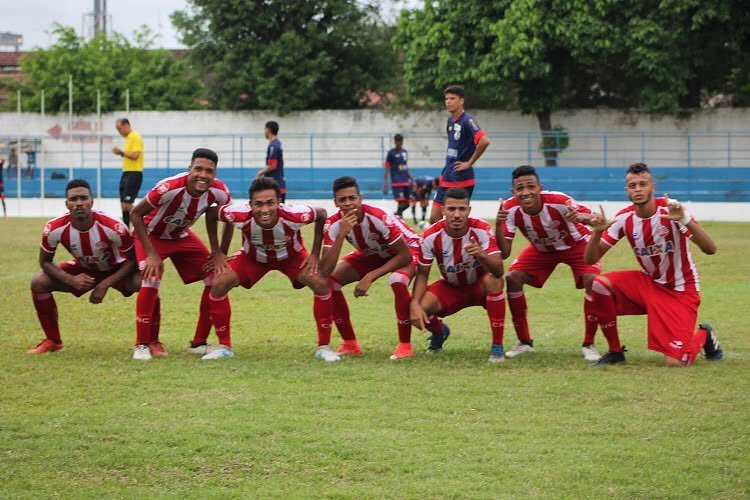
{"x":33,"y":18}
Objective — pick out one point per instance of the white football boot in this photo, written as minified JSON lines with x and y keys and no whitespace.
{"x":142,"y":352}
{"x":325,"y":353}
{"x":518,"y":349}
{"x":201,"y":350}
{"x":590,"y":353}
{"x":219,"y":352}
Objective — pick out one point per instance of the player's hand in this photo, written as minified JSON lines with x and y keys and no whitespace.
{"x":460,"y":166}
{"x":348,"y":221}
{"x":473,"y":248}
{"x":82,"y":282}
{"x":217,"y":263}
{"x":117,"y":150}
{"x":676,"y":210}
{"x":502,"y":214}
{"x":153,"y":267}
{"x":310,"y":265}
{"x":599,"y":222}
{"x":418,"y":316}
{"x":364,"y":284}
{"x":98,"y":293}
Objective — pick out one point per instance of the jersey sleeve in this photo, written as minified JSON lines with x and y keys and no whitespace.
{"x":156,"y":195}
{"x":234,"y":214}
{"x":299,"y":214}
{"x":390,"y":230}
{"x":330,"y":232}
{"x":616,"y":231}
{"x":475,"y":130}
{"x":273,"y":154}
{"x":509,"y":226}
{"x":388,"y":159}
{"x":50,"y":238}
{"x":126,"y":239}
{"x":426,"y":252}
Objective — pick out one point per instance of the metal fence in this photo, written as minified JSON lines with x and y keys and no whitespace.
{"x":312,"y":160}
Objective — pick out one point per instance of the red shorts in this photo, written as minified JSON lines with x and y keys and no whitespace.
{"x":188,"y":255}
{"x":452,"y":298}
{"x":250,"y":271}
{"x":539,"y":265}
{"x":363,"y":264}
{"x":73,"y":268}
{"x":671,"y":315}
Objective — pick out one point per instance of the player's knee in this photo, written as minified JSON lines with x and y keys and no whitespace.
{"x":334,"y":284}
{"x":601,"y":285}
{"x":40,"y":282}
{"x":399,"y":277}
{"x":152,"y":282}
{"x":319,"y":285}
{"x":493,"y":284}
{"x":515,"y":281}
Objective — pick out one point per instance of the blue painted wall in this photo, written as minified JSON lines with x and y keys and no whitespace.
{"x":583,"y":183}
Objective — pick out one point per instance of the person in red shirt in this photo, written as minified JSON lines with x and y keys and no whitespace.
{"x":103,"y":258}
{"x":271,"y":240}
{"x":471,"y":274}
{"x":550,"y":220}
{"x":161,"y":222}
{"x":666,"y":289}
{"x":382,"y":244}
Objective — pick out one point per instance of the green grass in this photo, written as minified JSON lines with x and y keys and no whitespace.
{"x":275,"y":422}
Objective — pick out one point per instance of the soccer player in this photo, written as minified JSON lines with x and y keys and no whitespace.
{"x":2,"y":187}
{"x":397,"y":162}
{"x":274,"y":158}
{"x":132,"y":166}
{"x":271,"y":240}
{"x":551,"y":222}
{"x":466,"y":144}
{"x":103,"y":258}
{"x":667,"y":288}
{"x":471,"y":271}
{"x":424,"y":185}
{"x":161,"y":222}
{"x":383,"y":244}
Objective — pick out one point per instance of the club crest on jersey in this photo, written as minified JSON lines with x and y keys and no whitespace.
{"x":654,"y":250}
{"x":663,"y":230}
{"x":101,"y":245}
{"x":372,"y":237}
{"x":162,"y":188}
{"x":456,"y":132}
{"x":555,"y":224}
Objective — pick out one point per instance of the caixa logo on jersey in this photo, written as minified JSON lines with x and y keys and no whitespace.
{"x":457,"y":268}
{"x":372,"y":251}
{"x":94,"y":259}
{"x":652,"y":250}
{"x":178,"y":221}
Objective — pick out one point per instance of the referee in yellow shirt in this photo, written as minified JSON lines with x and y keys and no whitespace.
{"x":132,"y":166}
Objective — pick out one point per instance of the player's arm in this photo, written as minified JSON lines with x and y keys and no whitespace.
{"x":482,"y":145}
{"x":218,"y":261}
{"x":505,"y":244}
{"x":271,"y":162}
{"x":126,"y":269}
{"x":80,"y":282}
{"x":416,"y":313}
{"x":311,"y":264}
{"x":154,"y":265}
{"x":699,"y":236}
{"x":402,"y":258}
{"x":596,"y":248}
{"x":386,"y":168}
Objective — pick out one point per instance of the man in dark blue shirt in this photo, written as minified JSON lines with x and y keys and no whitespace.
{"x":397,"y":162}
{"x":274,"y":159}
{"x":466,"y":144}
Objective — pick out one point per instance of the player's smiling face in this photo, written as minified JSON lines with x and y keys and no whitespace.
{"x":348,"y":199}
{"x":265,"y":207}
{"x":79,"y":202}
{"x":640,"y":187}
{"x":200,"y":175}
{"x":456,"y":213}
{"x":528,"y":191}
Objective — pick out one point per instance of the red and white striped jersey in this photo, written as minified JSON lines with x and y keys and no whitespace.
{"x":660,"y":245}
{"x":175,"y":210}
{"x":101,"y":248}
{"x":375,"y":235}
{"x":456,"y":266}
{"x":548,"y":230}
{"x":274,"y":244}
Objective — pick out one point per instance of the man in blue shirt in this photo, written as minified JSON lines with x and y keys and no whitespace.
{"x":397,"y":162}
{"x":466,"y":144}
{"x":274,"y":158}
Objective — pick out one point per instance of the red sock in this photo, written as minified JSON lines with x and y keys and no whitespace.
{"x":518,"y":308}
{"x":699,"y":339}
{"x":323,"y":312}
{"x":590,"y":317}
{"x":156,"y":319}
{"x":46,"y":311}
{"x":144,"y":310}
{"x":402,"y":299}
{"x":221,"y":316}
{"x":435,"y":325}
{"x":341,"y":316}
{"x":495,"y":304}
{"x":203,"y":328}
{"x":605,"y":310}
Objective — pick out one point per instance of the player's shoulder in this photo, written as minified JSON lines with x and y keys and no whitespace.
{"x":625,"y":212}
{"x":374,"y":211}
{"x":555,"y":197}
{"x":479,"y":224}
{"x":219,"y":184}
{"x":333,"y":218}
{"x":170,"y":183}
{"x":57,"y":223}
{"x":109,"y":221}
{"x":511,"y":203}
{"x":296,"y":213}
{"x":433,"y":230}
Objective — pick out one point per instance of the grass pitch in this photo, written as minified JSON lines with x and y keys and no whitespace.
{"x":275,"y":422}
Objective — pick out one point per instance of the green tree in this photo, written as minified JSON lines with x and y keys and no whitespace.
{"x":287,"y":55}
{"x":155,"y":79}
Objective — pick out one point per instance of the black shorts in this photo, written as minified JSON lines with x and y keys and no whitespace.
{"x":401,"y":193}
{"x":130,"y":184}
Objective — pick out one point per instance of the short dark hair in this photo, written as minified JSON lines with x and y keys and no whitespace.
{"x":638,"y":168}
{"x":455,"y":89}
{"x":123,"y":121}
{"x":398,"y":137}
{"x":457,"y":194}
{"x":263,"y":183}
{"x":273,"y":127}
{"x":77,"y":183}
{"x":525,"y":170}
{"x":344,"y":182}
{"x":205,"y":153}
